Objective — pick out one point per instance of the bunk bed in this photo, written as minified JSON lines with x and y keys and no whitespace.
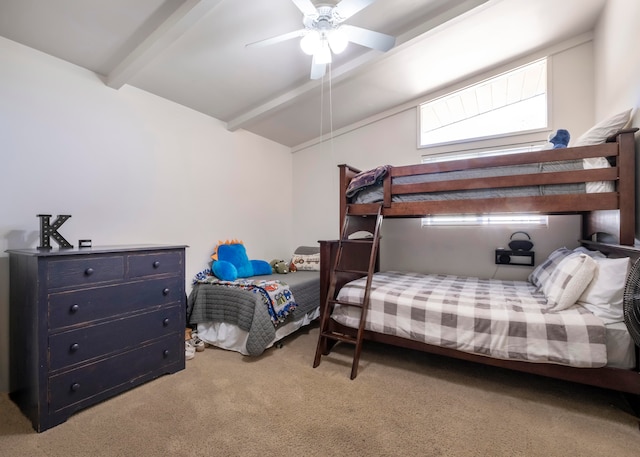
{"x":608,"y":210}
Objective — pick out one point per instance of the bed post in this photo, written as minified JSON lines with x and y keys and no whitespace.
{"x":620,"y":222}
{"x":346,"y":174}
{"x":627,"y":185}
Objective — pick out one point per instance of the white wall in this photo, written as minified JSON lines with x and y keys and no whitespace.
{"x":392,"y":140}
{"x":617,"y":75}
{"x":130,"y":168}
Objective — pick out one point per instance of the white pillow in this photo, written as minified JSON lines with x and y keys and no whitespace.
{"x":309,"y":262}
{"x":589,"y":252}
{"x":599,"y":133}
{"x":596,"y":187}
{"x":603,"y":297}
{"x":569,"y":280}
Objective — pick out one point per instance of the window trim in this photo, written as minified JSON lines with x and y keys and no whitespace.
{"x":537,"y":134}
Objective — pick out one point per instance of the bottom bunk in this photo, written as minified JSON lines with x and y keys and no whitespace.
{"x":533,"y":326}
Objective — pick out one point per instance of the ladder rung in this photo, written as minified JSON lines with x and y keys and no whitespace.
{"x":346,"y":303}
{"x":359,"y":272}
{"x":359,"y":214}
{"x":339,"y":337}
{"x":357,"y":241}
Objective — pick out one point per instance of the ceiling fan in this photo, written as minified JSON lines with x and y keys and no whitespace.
{"x":325,"y":33}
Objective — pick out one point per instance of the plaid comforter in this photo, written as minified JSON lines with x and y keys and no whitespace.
{"x":499,"y":319}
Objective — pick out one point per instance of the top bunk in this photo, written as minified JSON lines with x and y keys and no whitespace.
{"x":553,"y":181}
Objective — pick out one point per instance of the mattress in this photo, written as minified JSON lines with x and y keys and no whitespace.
{"x":374,"y":193}
{"x":500,"y":319}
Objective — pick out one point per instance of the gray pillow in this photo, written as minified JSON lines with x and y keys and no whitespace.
{"x":544,"y":271}
{"x":307,"y":250}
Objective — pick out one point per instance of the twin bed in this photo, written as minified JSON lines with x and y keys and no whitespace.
{"x":237,"y":319}
{"x":546,"y":325}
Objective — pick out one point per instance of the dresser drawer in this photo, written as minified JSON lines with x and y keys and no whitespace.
{"x":75,"y":386}
{"x":76,"y":307}
{"x":84,"y":270}
{"x":75,"y":346}
{"x":154,"y":263}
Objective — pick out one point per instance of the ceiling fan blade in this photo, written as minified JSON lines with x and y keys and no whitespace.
{"x":347,"y":8}
{"x":368,"y":38}
{"x":317,"y":69}
{"x":307,"y":8}
{"x":277,"y":39}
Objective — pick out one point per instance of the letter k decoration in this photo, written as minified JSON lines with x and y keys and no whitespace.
{"x":47,"y":231}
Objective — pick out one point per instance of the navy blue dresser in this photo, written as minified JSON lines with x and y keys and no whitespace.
{"x":89,"y":323}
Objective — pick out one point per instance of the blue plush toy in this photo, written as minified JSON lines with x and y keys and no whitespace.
{"x":230,"y":262}
{"x":560,"y":138}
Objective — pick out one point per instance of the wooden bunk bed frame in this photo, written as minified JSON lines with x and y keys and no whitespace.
{"x":611,"y":213}
{"x":619,"y":149}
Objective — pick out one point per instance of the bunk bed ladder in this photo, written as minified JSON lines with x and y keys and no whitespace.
{"x":356,"y":257}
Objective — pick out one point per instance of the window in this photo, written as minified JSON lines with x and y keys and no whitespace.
{"x":474,"y":220}
{"x":513,"y":102}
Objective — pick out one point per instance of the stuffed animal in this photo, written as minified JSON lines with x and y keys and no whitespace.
{"x":559,"y":139}
{"x":279,"y":266}
{"x":230,"y":262}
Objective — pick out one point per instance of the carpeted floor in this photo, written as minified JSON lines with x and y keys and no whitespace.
{"x":403,"y":403}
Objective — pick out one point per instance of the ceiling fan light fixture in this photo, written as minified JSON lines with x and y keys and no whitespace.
{"x":310,"y":43}
{"x":337,"y":40}
{"x":325,"y":33}
{"x":323,"y":54}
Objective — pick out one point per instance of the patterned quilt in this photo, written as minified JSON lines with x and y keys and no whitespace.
{"x":275,"y":295}
{"x":499,"y":319}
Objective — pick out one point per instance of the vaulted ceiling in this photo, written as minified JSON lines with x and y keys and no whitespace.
{"x":194,"y":52}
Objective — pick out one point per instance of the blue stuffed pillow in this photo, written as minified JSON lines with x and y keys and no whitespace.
{"x":232,"y":263}
{"x":224,"y":270}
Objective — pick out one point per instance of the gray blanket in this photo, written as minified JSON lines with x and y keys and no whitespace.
{"x":245,"y":309}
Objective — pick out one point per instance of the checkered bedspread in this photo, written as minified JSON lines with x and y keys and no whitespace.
{"x":499,"y":319}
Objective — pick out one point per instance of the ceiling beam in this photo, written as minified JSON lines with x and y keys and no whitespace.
{"x":181,"y":20}
{"x":359,"y":64}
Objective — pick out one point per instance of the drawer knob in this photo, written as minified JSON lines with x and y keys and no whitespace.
{"x":165,"y":291}
{"x":156,"y":264}
{"x":88,"y":271}
{"x":165,"y":353}
{"x":74,"y":308}
{"x":75,"y":387}
{"x":165,"y":321}
{"x":74,"y":347}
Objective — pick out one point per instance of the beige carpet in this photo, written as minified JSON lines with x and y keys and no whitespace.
{"x":403,"y":403}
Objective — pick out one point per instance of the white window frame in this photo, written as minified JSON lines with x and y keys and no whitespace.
{"x":453,"y":97}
